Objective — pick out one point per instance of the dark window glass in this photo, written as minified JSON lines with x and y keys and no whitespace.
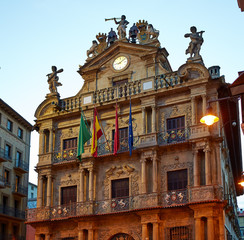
{"x":149,"y":120}
{"x":123,"y":138}
{"x":0,"y":118}
{"x":8,"y":151}
{"x":9,"y":125}
{"x":70,"y":143}
{"x":68,"y":194}
{"x":20,"y":133}
{"x":175,"y":123}
{"x":120,"y":188}
{"x":177,"y":179}
{"x":179,"y":233}
{"x":18,"y":158}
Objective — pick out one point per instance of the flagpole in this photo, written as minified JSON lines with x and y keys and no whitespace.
{"x":103,"y":132}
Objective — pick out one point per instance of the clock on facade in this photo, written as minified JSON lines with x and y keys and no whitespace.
{"x":120,"y":63}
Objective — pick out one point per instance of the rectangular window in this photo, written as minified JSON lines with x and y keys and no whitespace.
{"x":202,"y":167}
{"x":70,"y":143}
{"x":6,"y":176}
{"x":177,"y":179}
{"x":149,"y":120}
{"x":123,"y":139}
{"x":0,"y":118}
{"x":179,"y":233}
{"x":10,"y":125}
{"x":18,"y":158}
{"x":120,"y":188}
{"x":20,"y":133}
{"x":175,"y":123}
{"x":68,"y":195}
{"x":8,"y":151}
{"x":176,"y":129}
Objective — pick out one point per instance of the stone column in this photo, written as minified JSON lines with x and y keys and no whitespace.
{"x":90,"y":234}
{"x":219,"y":167}
{"x":213,"y":166}
{"x":210,"y":226}
{"x":153,"y":119}
{"x":51,"y":140}
{"x":90,"y":184}
{"x":204,"y":104}
{"x":37,"y":236}
{"x":81,"y":235}
{"x":143,"y":176}
{"x":207,"y":166}
{"x":40,"y":191}
{"x":144,"y":231}
{"x":155,"y":230}
{"x":81,"y":185}
{"x":193,"y":110}
{"x":221,"y":227}
{"x":143,"y":120}
{"x":42,"y":148}
{"x":198,"y":230}
{"x":49,"y":189}
{"x":196,"y":168}
{"x":155,"y":174}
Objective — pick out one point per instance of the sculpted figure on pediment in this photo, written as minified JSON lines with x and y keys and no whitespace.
{"x":53,"y":79}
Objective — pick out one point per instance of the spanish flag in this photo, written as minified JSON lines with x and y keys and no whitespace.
{"x":96,"y":134}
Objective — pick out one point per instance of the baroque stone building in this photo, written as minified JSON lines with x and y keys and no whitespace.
{"x":15,"y":134}
{"x":180,"y":181}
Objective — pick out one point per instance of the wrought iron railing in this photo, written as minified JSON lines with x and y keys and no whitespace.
{"x":21,"y":164}
{"x":12,"y":212}
{"x":17,"y":188}
{"x":65,"y":155}
{"x":4,"y":155}
{"x":173,"y":136}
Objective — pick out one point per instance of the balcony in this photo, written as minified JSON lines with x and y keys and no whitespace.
{"x":12,"y":212}
{"x":173,"y":136}
{"x":166,"y":199}
{"x":20,"y":190}
{"x":4,"y":156}
{"x":66,"y":155}
{"x":21,"y":166}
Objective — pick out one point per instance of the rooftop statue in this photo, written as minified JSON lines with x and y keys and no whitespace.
{"x":112,"y":37}
{"x":92,"y":51}
{"x":122,"y":26}
{"x":133,"y":33}
{"x":53,"y":79}
{"x":196,"y":42}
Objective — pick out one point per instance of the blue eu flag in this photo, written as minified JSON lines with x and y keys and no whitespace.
{"x":130,"y":132}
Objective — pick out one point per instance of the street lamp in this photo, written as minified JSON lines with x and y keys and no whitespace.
{"x":209,"y":119}
{"x":242,"y":180}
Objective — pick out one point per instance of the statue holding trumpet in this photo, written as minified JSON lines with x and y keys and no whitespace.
{"x":122,"y":25}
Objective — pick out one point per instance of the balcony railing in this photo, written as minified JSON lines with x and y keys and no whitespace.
{"x":20,"y":190}
{"x":128,"y":89}
{"x":21,"y":165}
{"x":4,"y":156}
{"x":12,"y":212}
{"x":65,"y":155}
{"x":173,"y":136}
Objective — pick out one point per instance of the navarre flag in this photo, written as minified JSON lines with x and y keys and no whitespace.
{"x":96,"y":134}
{"x":130,"y":132}
{"x":116,"y":132}
{"x":84,"y":136}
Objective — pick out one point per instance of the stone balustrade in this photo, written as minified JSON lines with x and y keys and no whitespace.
{"x":157,"y":200}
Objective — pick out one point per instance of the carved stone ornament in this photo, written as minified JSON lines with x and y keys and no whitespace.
{"x":121,"y":172}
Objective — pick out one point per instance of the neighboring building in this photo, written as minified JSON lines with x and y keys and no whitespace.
{"x":181,"y":180}
{"x":15,"y":133}
{"x":241,"y":222}
{"x":32,"y":195}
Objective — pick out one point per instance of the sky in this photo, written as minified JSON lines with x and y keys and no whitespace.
{"x":37,"y":34}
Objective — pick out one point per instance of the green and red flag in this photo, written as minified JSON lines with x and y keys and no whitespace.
{"x":84,"y":136}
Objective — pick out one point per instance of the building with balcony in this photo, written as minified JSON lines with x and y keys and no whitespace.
{"x":15,"y":134}
{"x":180,"y":182}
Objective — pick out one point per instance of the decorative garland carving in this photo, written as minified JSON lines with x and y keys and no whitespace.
{"x":173,"y":167}
{"x":121,"y":172}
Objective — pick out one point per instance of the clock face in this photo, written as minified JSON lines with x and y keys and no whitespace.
{"x":120,"y":63}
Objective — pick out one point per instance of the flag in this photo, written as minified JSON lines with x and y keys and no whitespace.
{"x":116,"y":133}
{"x":96,"y":134}
{"x":84,"y":136}
{"x":130,"y":132}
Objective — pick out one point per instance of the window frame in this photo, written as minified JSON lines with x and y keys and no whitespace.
{"x":114,"y":192}
{"x":66,"y":142}
{"x":175,"y":182}
{"x":8,"y":154}
{"x":20,"y":133}
{"x":10,"y":125}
